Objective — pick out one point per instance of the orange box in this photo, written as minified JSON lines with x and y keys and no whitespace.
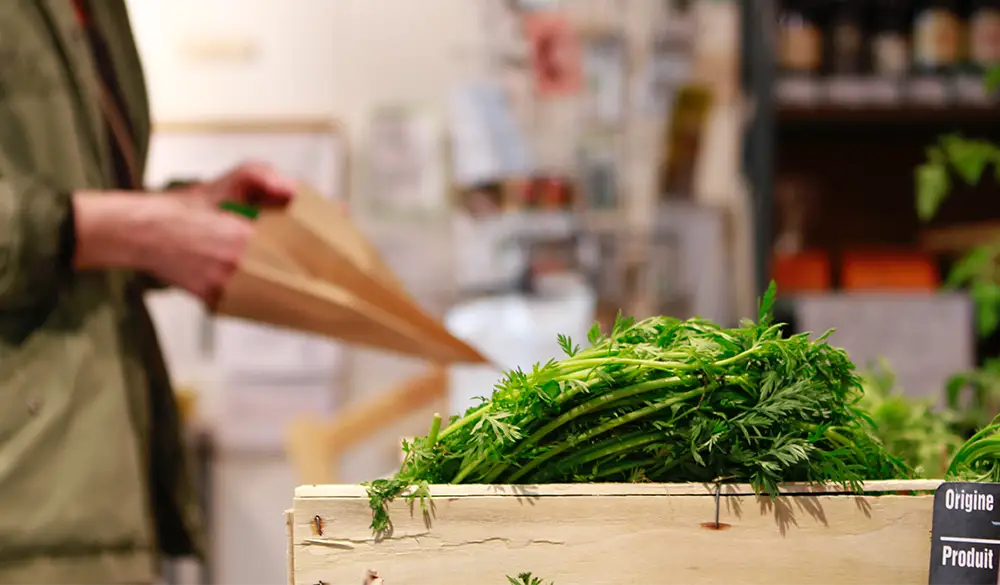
{"x":803,"y":272}
{"x":888,"y":270}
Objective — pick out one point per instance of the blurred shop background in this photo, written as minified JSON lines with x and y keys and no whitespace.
{"x":528,"y":167}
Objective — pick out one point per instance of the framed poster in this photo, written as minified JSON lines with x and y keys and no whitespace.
{"x":406,"y":170}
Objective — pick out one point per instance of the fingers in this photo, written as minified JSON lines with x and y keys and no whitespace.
{"x":202,"y":251}
{"x":259,"y":183}
{"x":235,"y":233}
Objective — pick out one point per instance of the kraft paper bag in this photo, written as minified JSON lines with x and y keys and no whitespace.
{"x":260,"y":293}
{"x":316,"y":256}
{"x":314,"y":213}
{"x":308,"y":268}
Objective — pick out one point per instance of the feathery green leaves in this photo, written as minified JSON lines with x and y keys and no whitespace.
{"x":662,"y":400}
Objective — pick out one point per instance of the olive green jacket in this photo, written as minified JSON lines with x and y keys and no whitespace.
{"x":93,"y":481}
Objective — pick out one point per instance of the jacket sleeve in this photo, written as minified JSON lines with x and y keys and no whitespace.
{"x":35,"y":222}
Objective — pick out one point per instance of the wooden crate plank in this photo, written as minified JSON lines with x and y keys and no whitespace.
{"x":614,"y":489}
{"x":290,"y":553}
{"x":623,"y":538}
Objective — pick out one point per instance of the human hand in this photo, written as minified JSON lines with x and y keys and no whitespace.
{"x":251,"y":183}
{"x":196,"y":248}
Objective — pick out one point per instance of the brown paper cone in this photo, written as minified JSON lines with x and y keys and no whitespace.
{"x":264,"y":252}
{"x":313,"y":212}
{"x":262,"y":293}
{"x":300,"y":246}
{"x":325,"y":245}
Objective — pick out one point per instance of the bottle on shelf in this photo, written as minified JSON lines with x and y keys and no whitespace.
{"x":936,"y":36}
{"x":890,"y":39}
{"x":983,"y":35}
{"x":800,"y":40}
{"x":846,"y":38}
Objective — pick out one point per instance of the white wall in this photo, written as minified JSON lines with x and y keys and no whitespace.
{"x":309,"y":58}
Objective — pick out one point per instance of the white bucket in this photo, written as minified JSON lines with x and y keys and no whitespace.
{"x":514,"y":331}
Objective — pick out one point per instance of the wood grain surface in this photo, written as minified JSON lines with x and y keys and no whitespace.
{"x":619,"y":534}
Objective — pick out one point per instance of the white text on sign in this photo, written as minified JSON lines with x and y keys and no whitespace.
{"x":968,"y":501}
{"x":973,"y":558}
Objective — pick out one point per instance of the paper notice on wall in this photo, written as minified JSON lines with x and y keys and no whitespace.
{"x":555,"y":54}
{"x":536,"y":5}
{"x":606,"y":66}
{"x":487,"y":143}
{"x":406,"y":157}
{"x":255,"y":411}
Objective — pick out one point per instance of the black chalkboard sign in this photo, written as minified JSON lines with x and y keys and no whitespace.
{"x":965,"y":546}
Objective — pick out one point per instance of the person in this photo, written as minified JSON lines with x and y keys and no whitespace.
{"x":93,"y":483}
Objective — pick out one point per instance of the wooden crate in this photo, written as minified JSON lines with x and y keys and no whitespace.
{"x":613,"y":534}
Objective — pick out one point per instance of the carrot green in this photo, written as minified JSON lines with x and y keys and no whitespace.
{"x":662,"y":400}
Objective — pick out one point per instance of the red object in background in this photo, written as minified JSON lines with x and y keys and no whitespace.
{"x":555,"y":53}
{"x":553,"y":193}
{"x":877,"y":270}
{"x":803,"y":272}
{"x":548,"y":193}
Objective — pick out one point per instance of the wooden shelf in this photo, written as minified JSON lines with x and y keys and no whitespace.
{"x":907,"y":116}
{"x":957,"y":239}
{"x":921,"y":103}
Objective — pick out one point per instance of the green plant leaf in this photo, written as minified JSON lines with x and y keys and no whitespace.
{"x":766,"y":303}
{"x":973,"y":265}
{"x":932,"y":188}
{"x":953,"y":389}
{"x":968,"y":157}
{"x":992,"y":79}
{"x":986,"y":296}
{"x":594,"y":335}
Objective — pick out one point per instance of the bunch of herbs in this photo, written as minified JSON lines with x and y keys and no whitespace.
{"x":660,"y":400}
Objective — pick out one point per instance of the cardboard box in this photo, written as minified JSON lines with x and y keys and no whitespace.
{"x":590,"y":534}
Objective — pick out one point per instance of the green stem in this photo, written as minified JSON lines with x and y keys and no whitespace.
{"x":608,"y":426}
{"x":971,"y":454}
{"x":625,"y":466}
{"x":662,"y":365}
{"x":590,"y":363}
{"x":961,"y":457}
{"x":598,"y":402}
{"x":837,"y":437}
{"x":615,"y":447}
{"x":578,"y":411}
{"x":432,"y":436}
